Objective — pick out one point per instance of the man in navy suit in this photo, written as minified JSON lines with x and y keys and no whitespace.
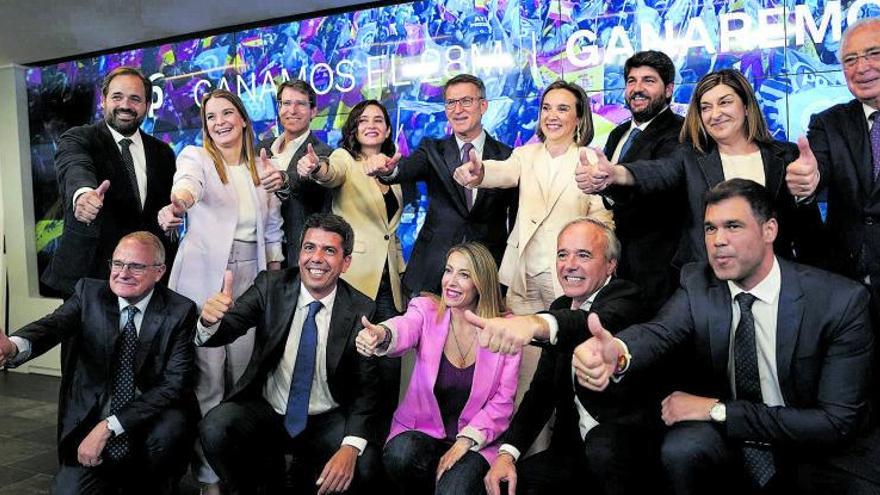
{"x":455,"y":214}
{"x":126,"y":412}
{"x":113,"y":178}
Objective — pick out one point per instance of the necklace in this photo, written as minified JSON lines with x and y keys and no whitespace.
{"x":463,"y":357}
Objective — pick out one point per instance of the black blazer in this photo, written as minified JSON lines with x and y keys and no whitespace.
{"x":619,"y":304}
{"x":86,"y":156}
{"x":698,"y":172}
{"x":304,"y":198}
{"x":269,"y":306}
{"x":839,"y":139}
{"x":649,"y":225}
{"x":87,"y":326}
{"x":448,"y":221}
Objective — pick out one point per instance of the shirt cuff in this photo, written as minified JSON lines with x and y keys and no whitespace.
{"x":79,"y":192}
{"x":357,"y":442}
{"x":506,"y":448}
{"x":274,"y":252}
{"x":115,"y":425}
{"x":618,"y":375}
{"x":553,"y":326}
{"x":183,"y":186}
{"x":393,"y":175}
{"x":473,"y":434}
{"x":392,"y":344}
{"x":24,"y":351}
{"x":204,"y":333}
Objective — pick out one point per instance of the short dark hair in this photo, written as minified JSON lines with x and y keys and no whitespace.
{"x":584,"y":131}
{"x":466,"y":79}
{"x":300,"y":86}
{"x":349,"y":141}
{"x":128,"y":71}
{"x":330,"y":223}
{"x":756,"y":195}
{"x":658,"y":61}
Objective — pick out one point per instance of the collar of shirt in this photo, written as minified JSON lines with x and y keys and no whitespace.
{"x":766,"y":291}
{"x":479,"y":142}
{"x":305,"y":297}
{"x":135,"y":138}
{"x":589,"y":302}
{"x":282,"y":146}
{"x":644,"y":125}
{"x":140,"y":305}
{"x":869,"y":110}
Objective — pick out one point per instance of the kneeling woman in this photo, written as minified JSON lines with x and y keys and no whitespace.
{"x":460,"y":396}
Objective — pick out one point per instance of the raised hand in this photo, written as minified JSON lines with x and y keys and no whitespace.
{"x":596,"y":359}
{"x":470,"y":174}
{"x":219,"y":304}
{"x":369,"y":338}
{"x":503,"y":469}
{"x":171,"y":216}
{"x":802,"y":175}
{"x":89,"y":203}
{"x":270,"y":177}
{"x":380,"y":165}
{"x":594,"y":172}
{"x":309,"y":162}
{"x":8,"y":349}
{"x":507,"y":335}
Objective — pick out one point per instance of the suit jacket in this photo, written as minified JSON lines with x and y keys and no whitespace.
{"x":204,"y":251}
{"x":269,"y":306}
{"x":305,"y":197}
{"x":824,"y":348}
{"x":86,"y":156}
{"x":548,"y":199}
{"x":448,"y":221}
{"x":698,"y":172}
{"x":87,"y":326}
{"x":839,"y":139}
{"x":357,"y":199}
{"x":487,"y":411}
{"x":649,"y":233}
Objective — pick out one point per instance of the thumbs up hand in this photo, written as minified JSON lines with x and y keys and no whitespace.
{"x":380,"y":165}
{"x":802,"y":175}
{"x":470,"y":174}
{"x":594,"y":172}
{"x":309,"y":163}
{"x":219,"y":304}
{"x":596,"y":360}
{"x":271,"y":178}
{"x":370,"y":338}
{"x":89,"y":203}
{"x":171,"y":216}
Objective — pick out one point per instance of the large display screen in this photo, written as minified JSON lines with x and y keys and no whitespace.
{"x":402,"y":54}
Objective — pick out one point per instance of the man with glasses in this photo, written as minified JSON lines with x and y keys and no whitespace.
{"x":455,"y":214}
{"x":113,"y":178}
{"x":127,"y":413}
{"x":300,"y":198}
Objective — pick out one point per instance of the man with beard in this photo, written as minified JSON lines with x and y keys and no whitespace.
{"x":113,"y":178}
{"x":648,"y":225}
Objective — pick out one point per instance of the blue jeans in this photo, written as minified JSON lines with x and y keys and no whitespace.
{"x":411,"y":460}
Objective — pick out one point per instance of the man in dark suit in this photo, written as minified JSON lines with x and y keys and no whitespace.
{"x":126,"y":413}
{"x":592,"y":433}
{"x":113,"y":178}
{"x":648,"y":225}
{"x":306,"y":390}
{"x":297,"y":106}
{"x":455,"y":214}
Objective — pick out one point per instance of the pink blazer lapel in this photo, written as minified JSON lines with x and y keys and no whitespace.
{"x":484,"y":376}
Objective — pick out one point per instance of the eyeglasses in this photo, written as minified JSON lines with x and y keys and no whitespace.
{"x":466,"y":102}
{"x":872,"y":55}
{"x":134,"y":268}
{"x":295,"y":103}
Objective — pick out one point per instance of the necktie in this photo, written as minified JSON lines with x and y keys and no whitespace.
{"x":465,"y":157}
{"x":128,"y":163}
{"x":629,"y":142}
{"x":875,"y":142}
{"x":757,"y":458}
{"x":303,"y":372}
{"x":123,"y":383}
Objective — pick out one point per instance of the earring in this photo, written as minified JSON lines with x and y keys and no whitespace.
{"x":577,"y":135}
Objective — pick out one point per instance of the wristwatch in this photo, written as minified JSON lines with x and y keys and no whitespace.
{"x":718,"y":412}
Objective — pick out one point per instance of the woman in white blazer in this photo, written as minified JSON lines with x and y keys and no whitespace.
{"x":233,"y":223}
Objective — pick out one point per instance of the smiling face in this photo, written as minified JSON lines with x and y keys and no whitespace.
{"x":580,"y":261}
{"x":125,"y":104}
{"x":224,"y":123}
{"x":723,"y":115}
{"x":321,"y":261}
{"x":645,"y":93}
{"x":124,"y":282}
{"x":295,"y":113}
{"x":559,"y":116}
{"x":465,"y":121}
{"x":457,"y":284}
{"x":372,"y":130}
{"x":863,"y":77}
{"x":740,"y":248}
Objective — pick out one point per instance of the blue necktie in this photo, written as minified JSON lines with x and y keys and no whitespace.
{"x":303,"y":371}
{"x":629,"y":142}
{"x":123,"y":383}
{"x":875,"y":142}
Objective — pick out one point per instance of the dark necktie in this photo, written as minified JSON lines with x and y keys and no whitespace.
{"x":303,"y":372}
{"x":757,"y":458}
{"x":465,"y":157}
{"x":875,"y":142}
{"x":123,"y":382}
{"x":128,"y":163}
{"x":629,"y":142}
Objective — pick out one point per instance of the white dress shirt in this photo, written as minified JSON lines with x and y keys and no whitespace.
{"x":283,"y":151}
{"x":641,"y":127}
{"x":140,"y":163}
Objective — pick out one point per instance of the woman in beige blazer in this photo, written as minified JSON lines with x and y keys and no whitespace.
{"x":548,"y":195}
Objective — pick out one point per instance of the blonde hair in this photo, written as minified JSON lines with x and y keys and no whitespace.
{"x":484,"y":273}
{"x":247,"y":149}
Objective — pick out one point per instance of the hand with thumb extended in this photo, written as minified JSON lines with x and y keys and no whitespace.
{"x":380,"y":165}
{"x":802,"y":175}
{"x":271,"y":178}
{"x":309,"y":163}
{"x":471,"y":173}
{"x":8,"y":349}
{"x":594,"y":172}
{"x":102,"y":189}
{"x":369,"y":338}
{"x":596,"y":359}
{"x":216,"y":307}
{"x":171,"y":215}
{"x":89,"y":204}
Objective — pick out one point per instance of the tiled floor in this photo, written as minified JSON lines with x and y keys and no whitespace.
{"x":28,"y":418}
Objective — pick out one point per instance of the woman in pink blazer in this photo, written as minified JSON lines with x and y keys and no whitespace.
{"x":460,"y":396}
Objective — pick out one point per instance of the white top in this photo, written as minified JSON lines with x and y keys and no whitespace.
{"x":749,"y":166}
{"x":246,"y":228}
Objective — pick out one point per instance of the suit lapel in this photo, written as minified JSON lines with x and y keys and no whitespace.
{"x":561,"y":176}
{"x":710,"y":164}
{"x":451,"y":161}
{"x":774,"y":168}
{"x":790,"y":314}
{"x":614,"y":139}
{"x":341,"y":322}
{"x":109,"y":328}
{"x":718,"y":322}
{"x":119,"y":181}
{"x":485,"y":367}
{"x":152,"y":321}
{"x":287,"y":300}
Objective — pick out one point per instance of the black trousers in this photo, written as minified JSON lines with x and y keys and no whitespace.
{"x":245,"y":442}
